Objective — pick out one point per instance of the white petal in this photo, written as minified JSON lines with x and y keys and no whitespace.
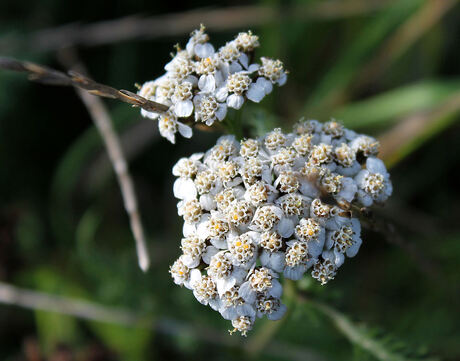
{"x":219,"y":243}
{"x":239,"y":274}
{"x":195,"y":276}
{"x":184,"y":189}
{"x":207,"y":202}
{"x":244,"y":60}
{"x":235,"y":101}
{"x":348,"y":190}
{"x":294,"y":273}
{"x":285,"y":227}
{"x":277,"y":262}
{"x":255,"y":93}
{"x":315,"y":247}
{"x":191,"y":262}
{"x":246,"y":310}
{"x":247,"y":293}
{"x":192,"y":79}
{"x":196,"y":156}
{"x":359,"y":179}
{"x":265,"y":84}
{"x":168,"y":135}
{"x":253,"y":67}
{"x":235,"y":68}
{"x":183,"y":108}
{"x":221,"y":94}
{"x":276,"y":290}
{"x":282,"y":80}
{"x":209,"y":253}
{"x":278,"y":314}
{"x":265,"y":258}
{"x":185,"y":130}
{"x":375,"y":165}
{"x":223,"y":285}
{"x":229,"y":313}
{"x":204,"y":50}
{"x":207,"y":83}
{"x":188,"y":229}
{"x":150,"y":115}
{"x":339,"y":258}
{"x":364,"y":198}
{"x":308,"y":189}
{"x":221,"y":111}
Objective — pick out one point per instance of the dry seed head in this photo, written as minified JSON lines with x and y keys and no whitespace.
{"x":324,"y":271}
{"x":192,"y":211}
{"x":296,"y":254}
{"x":247,"y":41}
{"x":307,"y":229}
{"x":275,"y":139}
{"x":288,"y":182}
{"x":261,"y":279}
{"x":271,"y":69}
{"x":242,"y":324}
{"x":220,"y":266}
{"x":217,"y":227}
{"x":249,"y":148}
{"x":238,"y":83}
{"x":271,"y":241}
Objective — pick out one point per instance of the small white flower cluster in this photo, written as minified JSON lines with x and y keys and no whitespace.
{"x":278,"y":205}
{"x":200,"y":83}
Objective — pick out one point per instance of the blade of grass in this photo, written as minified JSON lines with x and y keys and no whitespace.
{"x":331,"y":88}
{"x":387,"y":107}
{"x":402,"y":39}
{"x":410,"y":133}
{"x":359,"y":336}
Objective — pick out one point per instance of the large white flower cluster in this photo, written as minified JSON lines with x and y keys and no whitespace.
{"x":201,"y":83}
{"x":277,"y":205}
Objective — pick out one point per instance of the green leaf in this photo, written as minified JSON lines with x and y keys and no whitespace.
{"x":354,"y":54}
{"x":381,"y":347}
{"x":385,"y":108}
{"x":53,"y":328}
{"x":130,"y":343}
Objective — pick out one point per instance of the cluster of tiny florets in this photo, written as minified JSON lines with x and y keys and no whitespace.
{"x":278,"y":205}
{"x":201,"y":83}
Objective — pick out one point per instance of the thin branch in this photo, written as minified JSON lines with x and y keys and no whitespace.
{"x":138,"y":27}
{"x":101,"y":118}
{"x":45,"y":75}
{"x":35,"y":300}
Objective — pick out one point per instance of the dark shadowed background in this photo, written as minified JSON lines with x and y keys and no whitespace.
{"x":389,"y":68}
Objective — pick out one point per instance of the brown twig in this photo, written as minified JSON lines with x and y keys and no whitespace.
{"x":138,"y":27}
{"x":46,"y":75}
{"x":101,"y":118}
{"x":36,"y":300}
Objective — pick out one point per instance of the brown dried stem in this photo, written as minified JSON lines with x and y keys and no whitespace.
{"x":87,"y":310}
{"x":45,"y":75}
{"x":103,"y":122}
{"x":217,"y":19}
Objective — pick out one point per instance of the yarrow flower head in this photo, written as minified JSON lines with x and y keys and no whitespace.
{"x":200,"y":83}
{"x":278,"y":205}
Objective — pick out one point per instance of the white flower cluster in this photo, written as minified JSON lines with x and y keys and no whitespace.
{"x":278,"y":205}
{"x":200,"y":83}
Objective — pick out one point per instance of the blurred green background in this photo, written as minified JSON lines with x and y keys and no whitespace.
{"x":389,"y":68}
